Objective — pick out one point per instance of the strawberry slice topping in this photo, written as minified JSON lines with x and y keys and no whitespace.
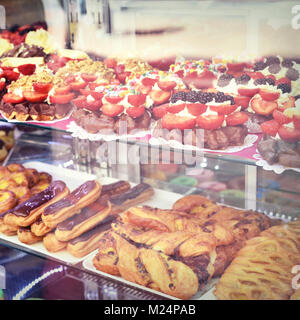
{"x":160,"y":111}
{"x":80,"y":101}
{"x":11,"y":75}
{"x":166,"y":85}
{"x":224,"y":108}
{"x":112,"y":110}
{"x":270,"y":127}
{"x":42,"y":87}
{"x":210,"y":122}
{"x":62,"y":98}
{"x":196,"y":109}
{"x":236,"y":118}
{"x":149,"y":82}
{"x":88,"y":77}
{"x":62,"y":90}
{"x":248,"y":92}
{"x":172,"y":121}
{"x":159,"y":96}
{"x":137,"y":100}
{"x":269,"y":95}
{"x":12,"y":98}
{"x":27,"y":69}
{"x":289,"y":134}
{"x":33,"y":96}
{"x":113,"y":99}
{"x":175,"y":108}
{"x":135,"y":112}
{"x":76,"y":86}
{"x":2,"y":85}
{"x":280,"y":117}
{"x":263,"y":107}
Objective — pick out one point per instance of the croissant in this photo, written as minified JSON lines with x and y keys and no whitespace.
{"x":262,"y":269}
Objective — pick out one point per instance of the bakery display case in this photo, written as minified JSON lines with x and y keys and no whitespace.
{"x":149,"y":150}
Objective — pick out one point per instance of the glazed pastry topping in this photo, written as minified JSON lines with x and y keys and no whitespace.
{"x":39,"y":199}
{"x":70,"y":199}
{"x":113,"y":188}
{"x":130,"y":194}
{"x":85,"y":214}
{"x":105,"y":225}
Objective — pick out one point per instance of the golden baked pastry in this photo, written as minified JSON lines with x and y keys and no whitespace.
{"x":244,"y":224}
{"x":150,"y":268}
{"x":20,"y":178}
{"x":39,"y":187}
{"x":262,"y":269}
{"x":52,"y":244}
{"x":3,"y":151}
{"x":26,"y":236}
{"x":71,"y":204}
{"x":4,"y":172}
{"x":107,"y":257}
{"x":171,"y":221}
{"x":17,"y":179}
{"x":15,"y":167}
{"x":6,"y":229}
{"x":32,"y":176}
{"x":22,"y":193}
{"x":39,"y":228}
{"x":7,"y":200}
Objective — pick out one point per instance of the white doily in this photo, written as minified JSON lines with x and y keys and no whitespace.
{"x":277,"y":168}
{"x":249,"y":142}
{"x":78,"y":132}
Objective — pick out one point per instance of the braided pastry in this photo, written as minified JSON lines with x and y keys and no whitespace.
{"x":171,"y":221}
{"x":149,"y":268}
{"x":262,"y":269}
{"x":242,"y":223}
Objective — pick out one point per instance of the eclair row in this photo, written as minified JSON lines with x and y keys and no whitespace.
{"x":71,"y":220}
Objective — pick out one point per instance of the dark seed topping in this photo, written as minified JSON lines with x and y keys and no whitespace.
{"x":292,"y":74}
{"x":270,"y":81}
{"x":274,"y":68}
{"x":205,"y":97}
{"x":181,"y":95}
{"x":287,"y":63}
{"x":284,"y":87}
{"x":192,"y":96}
{"x":224,"y":80}
{"x":272,"y":60}
{"x":259,"y":65}
{"x":244,"y":79}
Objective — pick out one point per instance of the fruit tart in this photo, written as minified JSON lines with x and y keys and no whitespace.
{"x":222,"y":122}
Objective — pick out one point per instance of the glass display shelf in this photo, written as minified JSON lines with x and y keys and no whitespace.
{"x":32,"y":277}
{"x":241,"y":156}
{"x":60,"y":149}
{"x":159,"y":33}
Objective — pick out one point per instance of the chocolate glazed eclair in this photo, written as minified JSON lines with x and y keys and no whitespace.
{"x":81,"y":197}
{"x":40,"y":229}
{"x":88,"y":218}
{"x":30,"y":210}
{"x":88,"y":241}
{"x":132,"y":197}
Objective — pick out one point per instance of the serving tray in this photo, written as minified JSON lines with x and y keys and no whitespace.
{"x":206,"y":293}
{"x":73,"y":179}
